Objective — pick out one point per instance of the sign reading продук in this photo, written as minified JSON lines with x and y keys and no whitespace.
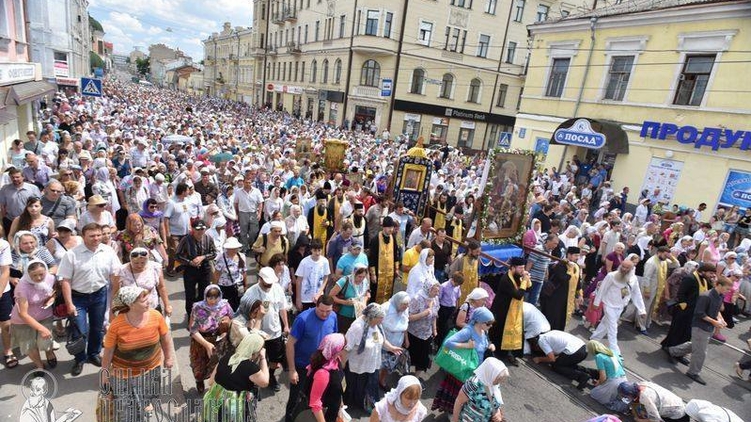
{"x":714,"y":137}
{"x":580,"y":134}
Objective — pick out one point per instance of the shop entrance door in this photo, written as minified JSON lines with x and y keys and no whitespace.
{"x":364,"y":116}
{"x":601,"y":156}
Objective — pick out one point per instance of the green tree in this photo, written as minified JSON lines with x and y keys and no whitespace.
{"x":143,"y":66}
{"x":95,"y":61}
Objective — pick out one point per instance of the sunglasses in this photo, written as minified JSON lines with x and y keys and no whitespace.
{"x":140,"y":253}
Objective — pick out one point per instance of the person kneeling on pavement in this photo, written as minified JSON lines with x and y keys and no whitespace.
{"x":564,"y":352}
{"x":650,"y":402}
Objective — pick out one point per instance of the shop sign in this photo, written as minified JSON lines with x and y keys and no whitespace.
{"x":412,"y":116}
{"x":386,"y":84}
{"x":713,"y":137}
{"x":431,"y":81}
{"x":269,"y":87}
{"x":67,"y":81}
{"x":663,"y":174}
{"x":13,"y":73}
{"x":450,"y":112}
{"x":296,"y":90}
{"x":580,"y":134}
{"x":522,"y":132}
{"x":440,"y":121}
{"x":737,"y":190}
{"x":61,"y":68}
{"x":467,"y":125}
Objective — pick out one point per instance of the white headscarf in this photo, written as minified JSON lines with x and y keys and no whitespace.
{"x":421,"y":273}
{"x":488,"y":372}
{"x":704,"y":411}
{"x":45,"y":285}
{"x":392,"y":397}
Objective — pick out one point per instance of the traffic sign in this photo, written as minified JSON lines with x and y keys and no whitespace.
{"x":504,"y":141}
{"x":91,"y":87}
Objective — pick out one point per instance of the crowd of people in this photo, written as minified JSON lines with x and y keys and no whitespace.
{"x":115,"y":194}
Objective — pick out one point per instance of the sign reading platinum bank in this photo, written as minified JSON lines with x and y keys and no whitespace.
{"x":580,"y":134}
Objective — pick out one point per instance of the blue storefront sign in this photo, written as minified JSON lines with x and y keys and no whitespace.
{"x":386,"y":85}
{"x":504,"y":141}
{"x":713,"y":137}
{"x":737,"y":190}
{"x":580,"y":134}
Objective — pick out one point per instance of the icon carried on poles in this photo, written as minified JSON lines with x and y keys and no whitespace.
{"x":91,"y":87}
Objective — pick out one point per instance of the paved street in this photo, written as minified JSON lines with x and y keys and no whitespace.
{"x":532,"y":393}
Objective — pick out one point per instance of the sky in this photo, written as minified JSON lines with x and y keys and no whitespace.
{"x":176,"y":23}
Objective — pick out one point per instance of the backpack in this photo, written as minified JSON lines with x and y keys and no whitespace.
{"x":285,"y":246}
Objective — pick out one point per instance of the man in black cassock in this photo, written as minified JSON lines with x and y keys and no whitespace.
{"x":562,"y":292}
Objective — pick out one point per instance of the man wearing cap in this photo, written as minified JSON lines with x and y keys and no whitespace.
{"x":13,"y":197}
{"x":652,"y":402}
{"x":562,"y":294}
{"x":206,"y":187}
{"x":195,"y":253}
{"x":468,"y":264}
{"x":653,"y":284}
{"x":508,"y":308}
{"x":692,"y":285}
{"x":57,"y":205}
{"x":616,"y":290}
{"x":320,"y":219}
{"x":248,"y":205}
{"x":274,"y":322}
{"x":383,"y":258}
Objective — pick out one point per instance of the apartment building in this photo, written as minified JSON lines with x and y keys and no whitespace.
{"x":229,"y":64}
{"x":447,"y":70}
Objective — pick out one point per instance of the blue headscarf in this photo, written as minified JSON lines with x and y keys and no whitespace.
{"x":481,"y":315}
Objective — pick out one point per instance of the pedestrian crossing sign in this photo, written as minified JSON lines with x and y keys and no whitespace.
{"x":91,"y":87}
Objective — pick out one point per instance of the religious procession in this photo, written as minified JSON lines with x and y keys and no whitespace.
{"x":366,"y":276}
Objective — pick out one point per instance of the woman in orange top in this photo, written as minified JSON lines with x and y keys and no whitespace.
{"x":137,"y":344}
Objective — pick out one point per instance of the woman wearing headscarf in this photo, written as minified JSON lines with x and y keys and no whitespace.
{"x":208,"y":319}
{"x":365,"y":339}
{"x":138,"y":234}
{"x":422,"y":273}
{"x":610,"y":375}
{"x":355,"y":292}
{"x":473,"y":336}
{"x":25,"y":249}
{"x":136,"y":194}
{"x":476,"y":299}
{"x":146,"y":274}
{"x":401,"y":404}
{"x":31,"y":317}
{"x":234,"y":395}
{"x":423,"y":312}
{"x":325,"y":373}
{"x":395,"y":325}
{"x":137,"y":343}
{"x":106,"y":190}
{"x":153,"y":217}
{"x":533,"y":236}
{"x":480,"y":397}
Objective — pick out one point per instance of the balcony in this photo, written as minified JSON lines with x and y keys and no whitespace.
{"x":290,"y":15}
{"x":367,"y":92}
{"x":271,"y":51}
{"x":278,"y":18}
{"x":293,"y":48}
{"x":258,"y":52}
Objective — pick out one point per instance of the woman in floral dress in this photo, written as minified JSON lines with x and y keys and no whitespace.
{"x":208,"y":319}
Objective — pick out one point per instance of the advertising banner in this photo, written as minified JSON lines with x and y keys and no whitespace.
{"x":663,"y":174}
{"x":737,"y":190}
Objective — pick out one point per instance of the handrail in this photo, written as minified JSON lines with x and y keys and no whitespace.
{"x":533,"y":250}
{"x":483,"y":254}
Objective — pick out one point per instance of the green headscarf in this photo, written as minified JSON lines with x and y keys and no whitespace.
{"x":594,"y":347}
{"x":250,"y":345}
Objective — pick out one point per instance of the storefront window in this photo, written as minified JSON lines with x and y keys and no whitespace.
{"x":321,"y":110}
{"x":411,"y":126}
{"x":332,"y":114}
{"x":466,"y":136}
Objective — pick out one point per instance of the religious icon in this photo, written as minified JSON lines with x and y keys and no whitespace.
{"x":411,"y":180}
{"x":509,"y":187}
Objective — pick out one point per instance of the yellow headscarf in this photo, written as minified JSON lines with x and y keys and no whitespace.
{"x":250,"y":345}
{"x":594,"y":347}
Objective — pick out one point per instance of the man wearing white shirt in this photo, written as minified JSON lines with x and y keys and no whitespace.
{"x":564,"y":352}
{"x":701,"y":234}
{"x":697,"y":212}
{"x":616,"y":291}
{"x":247,"y":203}
{"x":139,"y":156}
{"x":421,"y":233}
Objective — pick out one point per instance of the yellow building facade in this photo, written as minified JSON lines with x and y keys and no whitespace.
{"x":229,"y":64}
{"x":674,"y":79}
{"x":460,"y":63}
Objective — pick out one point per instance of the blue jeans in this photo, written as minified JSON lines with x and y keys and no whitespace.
{"x":533,"y":294}
{"x":441,"y":276}
{"x":90,"y":320}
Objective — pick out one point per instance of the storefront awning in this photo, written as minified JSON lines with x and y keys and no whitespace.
{"x":26,"y":92}
{"x":597,"y":134}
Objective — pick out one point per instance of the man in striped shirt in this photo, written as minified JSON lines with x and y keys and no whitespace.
{"x":537,"y":266}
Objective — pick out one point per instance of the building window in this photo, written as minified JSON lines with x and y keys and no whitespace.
{"x":418,"y":81}
{"x":371,"y":22}
{"x":620,"y":71}
{"x":482,"y":47}
{"x":371,"y":73}
{"x":284,"y":70}
{"x":387,"y":24}
{"x":462,"y":3}
{"x":542,"y":12}
{"x":342,"y":22}
{"x":297,"y":70}
{"x":447,"y":85}
{"x":455,"y":39}
{"x":510,"y":52}
{"x":490,"y":6}
{"x":565,"y":13}
{"x":693,"y":80}
{"x":338,"y":71}
{"x":425,"y":33}
{"x":302,"y":72}
{"x":557,"y":78}
{"x":306,"y":33}
{"x":502,"y":92}
{"x":474,"y":91}
{"x":313,"y":71}
{"x":519,"y":10}
{"x":325,"y":71}
{"x":318,"y":30}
